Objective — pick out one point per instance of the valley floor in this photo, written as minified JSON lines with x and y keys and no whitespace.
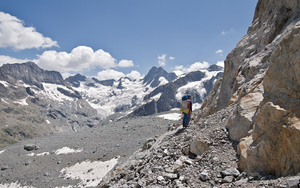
{"x":77,"y":159}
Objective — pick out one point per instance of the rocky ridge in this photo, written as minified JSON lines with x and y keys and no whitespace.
{"x":36,"y":102}
{"x":261,"y":78}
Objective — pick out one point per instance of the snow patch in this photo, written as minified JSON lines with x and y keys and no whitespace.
{"x":51,"y":91}
{"x":2,"y":151}
{"x":5,"y":83}
{"x":4,"y":101}
{"x":172,"y":116}
{"x":163,"y":81}
{"x":47,"y":121}
{"x":87,"y":170}
{"x":66,"y":150}
{"x":105,"y":99}
{"x":22,"y":102}
{"x":196,"y":106}
{"x":39,"y":154}
{"x":156,"y":97}
{"x":14,"y":185}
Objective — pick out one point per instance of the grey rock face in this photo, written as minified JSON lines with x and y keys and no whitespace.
{"x":155,"y":73}
{"x":75,"y":80}
{"x":31,"y":74}
{"x":261,"y":78}
{"x":29,"y":112}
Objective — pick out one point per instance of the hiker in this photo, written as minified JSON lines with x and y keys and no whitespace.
{"x":187,"y":110}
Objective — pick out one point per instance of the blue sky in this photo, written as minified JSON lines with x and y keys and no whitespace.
{"x":113,"y":38}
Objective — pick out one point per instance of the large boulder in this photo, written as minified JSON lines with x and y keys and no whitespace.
{"x":274,"y":145}
{"x":199,"y":146}
{"x":240,"y":122}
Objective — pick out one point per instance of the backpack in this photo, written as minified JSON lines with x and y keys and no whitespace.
{"x":184,"y":104}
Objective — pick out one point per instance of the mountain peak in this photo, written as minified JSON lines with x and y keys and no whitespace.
{"x":31,"y":74}
{"x":155,"y":73}
{"x":75,"y":80}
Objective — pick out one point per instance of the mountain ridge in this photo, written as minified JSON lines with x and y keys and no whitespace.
{"x":71,"y":104}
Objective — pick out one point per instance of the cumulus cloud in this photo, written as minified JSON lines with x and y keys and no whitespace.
{"x":134,"y":75}
{"x":219,"y":52}
{"x":66,"y":75}
{"x":109,"y":74}
{"x":220,"y":63}
{"x":125,"y":63}
{"x":194,"y":67}
{"x":116,"y":75}
{"x":162,"y":59}
{"x":15,"y":35}
{"x":7,"y":59}
{"x":172,"y":58}
{"x":80,"y":58}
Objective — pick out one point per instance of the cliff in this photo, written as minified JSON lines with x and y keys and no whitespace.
{"x":261,"y":80}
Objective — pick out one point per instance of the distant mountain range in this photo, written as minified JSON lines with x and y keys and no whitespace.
{"x":39,"y":102}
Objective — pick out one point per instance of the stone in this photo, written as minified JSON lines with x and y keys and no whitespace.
{"x":170,"y":176}
{"x":186,"y":150}
{"x":293,"y":182}
{"x":4,"y":168}
{"x":240,"y":122}
{"x":241,"y":182}
{"x":30,"y":147}
{"x":199,"y":146}
{"x":231,"y":172}
{"x":227,"y":179}
{"x":204,"y":175}
{"x":160,"y":178}
{"x":178,"y":184}
{"x":157,"y":168}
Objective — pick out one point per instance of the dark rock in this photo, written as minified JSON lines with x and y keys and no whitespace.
{"x":30,"y":147}
{"x":4,"y":168}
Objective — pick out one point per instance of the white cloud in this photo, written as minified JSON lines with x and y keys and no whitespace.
{"x":219,"y":52}
{"x":197,"y":66}
{"x":178,"y":72}
{"x":10,"y":60}
{"x":14,"y":34}
{"x":172,"y":58}
{"x":66,"y":75}
{"x":194,"y":67}
{"x":134,"y":75}
{"x":80,"y":58}
{"x":220,"y":63}
{"x":109,"y":74}
{"x":228,"y":32}
{"x":162,"y":59}
{"x":125,"y":63}
{"x":116,"y":75}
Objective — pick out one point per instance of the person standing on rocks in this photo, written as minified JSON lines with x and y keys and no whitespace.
{"x":187,"y":112}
